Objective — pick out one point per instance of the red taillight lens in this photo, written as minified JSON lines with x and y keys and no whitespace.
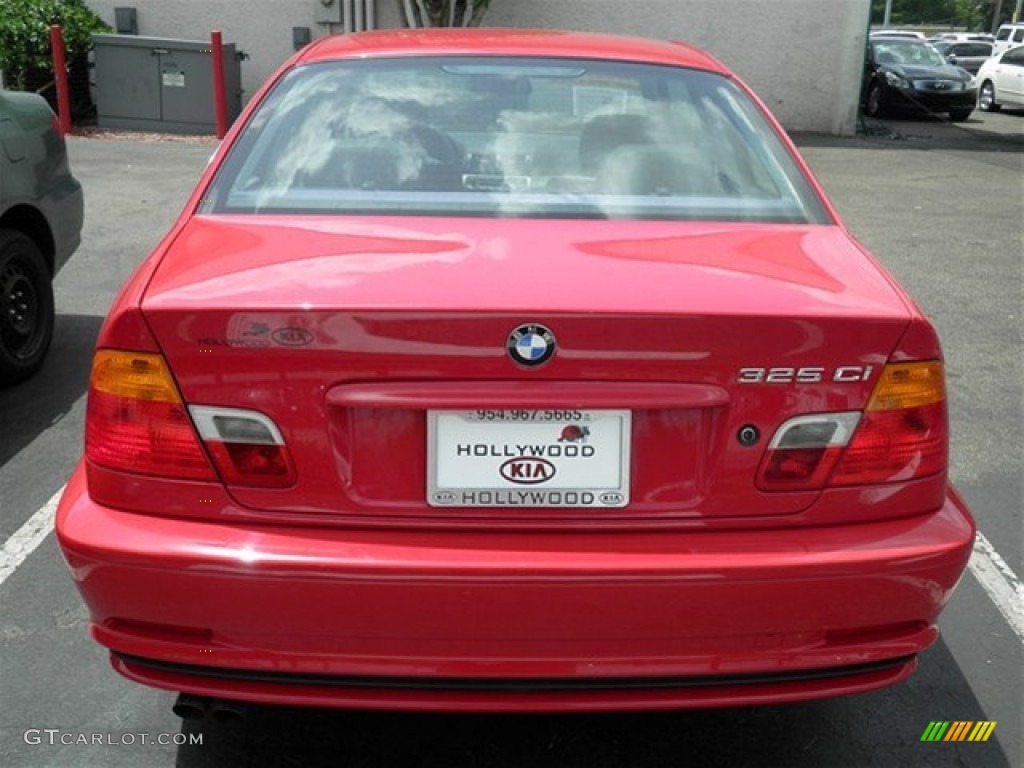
{"x":902,"y":435}
{"x":260,"y":466}
{"x":798,"y":468}
{"x":136,"y":421}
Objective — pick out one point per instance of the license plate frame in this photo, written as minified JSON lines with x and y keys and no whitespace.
{"x":542,"y":458}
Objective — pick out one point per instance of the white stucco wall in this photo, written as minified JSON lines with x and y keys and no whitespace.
{"x":803,"y":57}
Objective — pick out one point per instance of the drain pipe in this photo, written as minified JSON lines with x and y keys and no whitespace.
{"x":358,"y":15}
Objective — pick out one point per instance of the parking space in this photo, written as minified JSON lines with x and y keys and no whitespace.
{"x":940,"y":204}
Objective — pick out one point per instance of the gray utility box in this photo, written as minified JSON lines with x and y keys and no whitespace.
{"x":159,"y":84}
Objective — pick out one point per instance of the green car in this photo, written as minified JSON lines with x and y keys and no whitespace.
{"x":40,"y":227}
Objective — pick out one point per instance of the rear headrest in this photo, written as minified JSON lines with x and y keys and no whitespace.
{"x":648,"y":170}
{"x":604,"y":133}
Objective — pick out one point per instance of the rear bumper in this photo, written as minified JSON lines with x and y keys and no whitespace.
{"x":511,"y":621}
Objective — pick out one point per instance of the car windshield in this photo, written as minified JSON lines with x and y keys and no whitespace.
{"x":907,"y":53}
{"x":472,"y":136}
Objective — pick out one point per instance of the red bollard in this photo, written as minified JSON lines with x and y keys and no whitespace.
{"x":60,"y":75}
{"x":220,"y":105}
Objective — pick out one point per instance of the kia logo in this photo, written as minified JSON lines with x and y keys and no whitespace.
{"x":527,"y":470}
{"x":292,"y":337}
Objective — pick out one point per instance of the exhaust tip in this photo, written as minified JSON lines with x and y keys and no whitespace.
{"x":226,"y":712}
{"x":189,"y":707}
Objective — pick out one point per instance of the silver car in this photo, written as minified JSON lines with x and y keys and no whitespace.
{"x":969,"y":55}
{"x":41,"y":211}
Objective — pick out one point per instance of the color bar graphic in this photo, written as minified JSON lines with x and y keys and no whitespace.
{"x":958,"y":730}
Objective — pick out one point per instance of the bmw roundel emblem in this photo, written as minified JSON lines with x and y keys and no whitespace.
{"x":531,"y":344}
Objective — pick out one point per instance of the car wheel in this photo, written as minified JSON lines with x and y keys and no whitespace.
{"x":874,"y":107}
{"x":987,"y":98}
{"x":26,"y":307}
{"x":959,"y":115}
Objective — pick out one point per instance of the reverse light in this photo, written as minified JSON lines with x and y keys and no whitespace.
{"x":804,"y":451}
{"x":136,"y":420}
{"x":246,"y":446}
{"x":902,"y":435}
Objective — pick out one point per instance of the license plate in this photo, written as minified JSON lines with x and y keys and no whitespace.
{"x":528,"y":458}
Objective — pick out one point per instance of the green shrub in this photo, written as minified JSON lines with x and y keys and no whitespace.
{"x":25,"y":34}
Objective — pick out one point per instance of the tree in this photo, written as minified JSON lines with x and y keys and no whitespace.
{"x":968,"y":14}
{"x":25,"y":34}
{"x":443,"y":13}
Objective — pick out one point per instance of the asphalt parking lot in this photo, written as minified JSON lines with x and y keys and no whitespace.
{"x":941,"y":205}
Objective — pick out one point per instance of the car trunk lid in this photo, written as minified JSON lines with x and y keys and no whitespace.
{"x":352,"y":334}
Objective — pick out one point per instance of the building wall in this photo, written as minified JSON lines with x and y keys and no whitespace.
{"x":804,"y":58}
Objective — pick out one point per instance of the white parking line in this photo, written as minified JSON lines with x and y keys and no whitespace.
{"x":1000,"y":582}
{"x":995,"y":576}
{"x":24,"y":541}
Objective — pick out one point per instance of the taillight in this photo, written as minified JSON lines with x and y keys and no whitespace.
{"x":136,"y":421}
{"x":902,"y":435}
{"x":246,"y":446}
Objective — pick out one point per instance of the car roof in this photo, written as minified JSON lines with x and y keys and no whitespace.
{"x":964,"y":37}
{"x":901,"y":33}
{"x":951,"y":43}
{"x":896,"y":40}
{"x":508,"y":42}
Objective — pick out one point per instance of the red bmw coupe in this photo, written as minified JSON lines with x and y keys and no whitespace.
{"x":513,"y":370}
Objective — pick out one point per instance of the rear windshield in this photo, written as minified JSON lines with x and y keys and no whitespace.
{"x":556,"y":138}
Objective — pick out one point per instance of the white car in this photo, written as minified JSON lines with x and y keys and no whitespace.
{"x":1001,"y":81}
{"x":963,"y":37}
{"x":1008,"y":36}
